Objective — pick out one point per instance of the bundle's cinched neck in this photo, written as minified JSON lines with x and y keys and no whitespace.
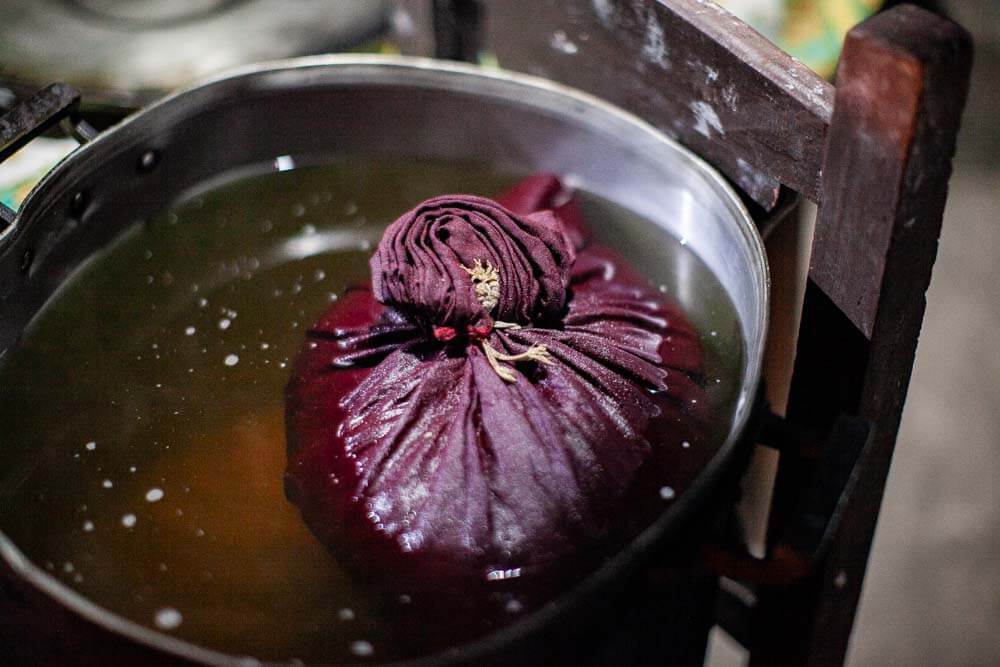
{"x":486,"y":283}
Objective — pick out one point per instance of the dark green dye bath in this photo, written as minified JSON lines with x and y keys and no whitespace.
{"x":142,"y":443}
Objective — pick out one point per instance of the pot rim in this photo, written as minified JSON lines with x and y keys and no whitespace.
{"x":687,"y":502}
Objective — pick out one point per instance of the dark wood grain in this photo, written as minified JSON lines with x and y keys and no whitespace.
{"x":687,"y":67}
{"x":902,"y":84}
{"x":881,"y":88}
{"x":31,"y":117}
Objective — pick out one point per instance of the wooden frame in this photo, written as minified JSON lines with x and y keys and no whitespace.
{"x":874,"y":153}
{"x":901,"y":86}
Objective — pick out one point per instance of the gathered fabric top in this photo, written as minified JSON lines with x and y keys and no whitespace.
{"x":460,"y":261}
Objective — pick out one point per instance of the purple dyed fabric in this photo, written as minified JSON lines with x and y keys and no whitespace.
{"x":413,"y":459}
{"x":418,"y":265}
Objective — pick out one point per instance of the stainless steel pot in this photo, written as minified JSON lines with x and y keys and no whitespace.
{"x":314,"y":108}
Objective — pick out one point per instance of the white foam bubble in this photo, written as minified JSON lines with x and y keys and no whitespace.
{"x":560,"y":42}
{"x":362,"y":649}
{"x":167,"y":618}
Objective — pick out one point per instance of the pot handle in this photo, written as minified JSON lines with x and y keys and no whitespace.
{"x":31,"y":117}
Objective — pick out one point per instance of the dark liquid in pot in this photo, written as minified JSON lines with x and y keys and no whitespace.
{"x":142,"y":445}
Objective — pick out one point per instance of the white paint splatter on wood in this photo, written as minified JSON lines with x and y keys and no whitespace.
{"x":603,"y":9}
{"x":705,"y":119}
{"x":655,"y":47}
{"x":730,"y":97}
{"x":750,"y":175}
{"x":560,"y":42}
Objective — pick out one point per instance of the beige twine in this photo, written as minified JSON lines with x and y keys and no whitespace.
{"x":486,"y":282}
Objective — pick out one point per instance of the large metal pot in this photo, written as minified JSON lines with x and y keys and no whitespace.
{"x":316,"y":107}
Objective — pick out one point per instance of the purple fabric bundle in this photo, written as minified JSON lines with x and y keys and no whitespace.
{"x":502,"y":402}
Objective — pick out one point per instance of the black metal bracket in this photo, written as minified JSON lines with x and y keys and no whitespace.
{"x":29,"y":118}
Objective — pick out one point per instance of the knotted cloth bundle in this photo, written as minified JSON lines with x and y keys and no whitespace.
{"x":505,"y":397}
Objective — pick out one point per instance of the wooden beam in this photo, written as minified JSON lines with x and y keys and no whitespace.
{"x":688,"y":67}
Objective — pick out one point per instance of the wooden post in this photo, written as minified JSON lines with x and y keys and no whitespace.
{"x":901,"y":87}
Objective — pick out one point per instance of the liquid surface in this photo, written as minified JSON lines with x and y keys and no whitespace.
{"x":143,"y":447}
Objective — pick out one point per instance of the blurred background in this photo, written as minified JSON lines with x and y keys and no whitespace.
{"x":932,"y":593}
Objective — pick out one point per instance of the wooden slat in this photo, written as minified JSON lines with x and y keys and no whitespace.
{"x":31,"y":117}
{"x":902,"y":84}
{"x":689,"y":68}
{"x":881,"y":87}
